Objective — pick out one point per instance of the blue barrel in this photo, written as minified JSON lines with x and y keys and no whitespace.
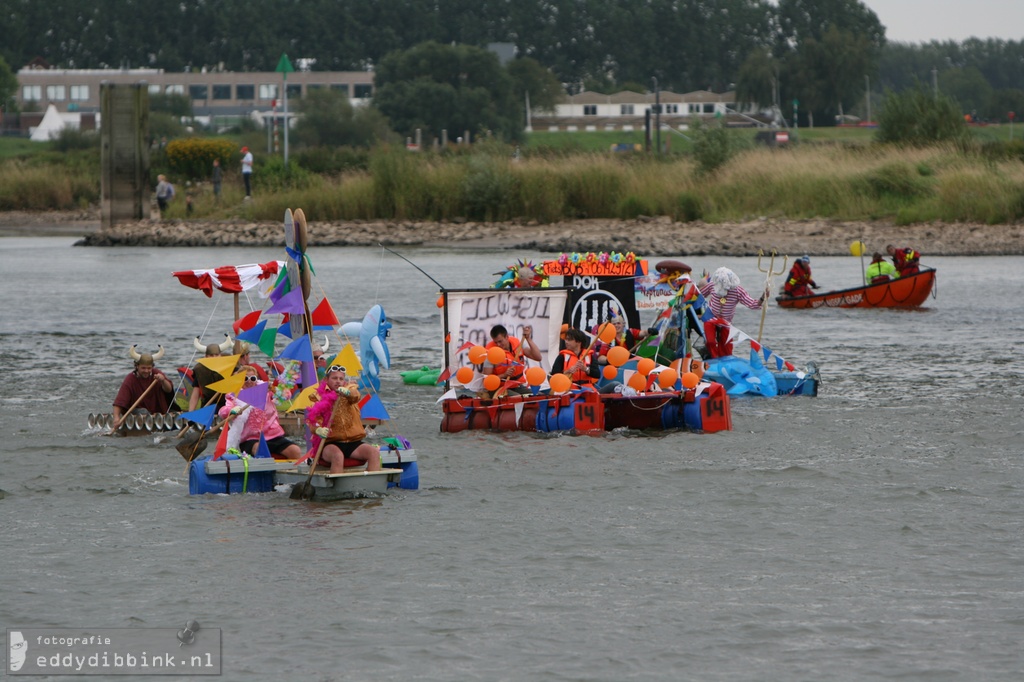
{"x":691,"y":413}
{"x":200,"y":483}
{"x":542,"y":419}
{"x":410,"y":478}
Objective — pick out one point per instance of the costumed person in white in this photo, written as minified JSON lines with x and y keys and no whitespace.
{"x":723,"y":293}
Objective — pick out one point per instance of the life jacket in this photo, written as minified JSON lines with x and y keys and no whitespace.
{"x":906,"y":261}
{"x":580,"y":376}
{"x":512,"y":356}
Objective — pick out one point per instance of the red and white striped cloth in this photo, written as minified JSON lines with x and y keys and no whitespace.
{"x":232,"y":279}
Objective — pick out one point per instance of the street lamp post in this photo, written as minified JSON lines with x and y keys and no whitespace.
{"x":657,"y":115}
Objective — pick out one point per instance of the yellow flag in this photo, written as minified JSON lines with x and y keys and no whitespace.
{"x":306,"y":398}
{"x":348,"y":359}
{"x":222,"y":365}
{"x":232,"y":384}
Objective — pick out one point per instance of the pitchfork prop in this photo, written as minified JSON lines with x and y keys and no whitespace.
{"x":769,"y":273}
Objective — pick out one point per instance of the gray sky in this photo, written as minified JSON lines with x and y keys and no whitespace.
{"x":920,"y":21}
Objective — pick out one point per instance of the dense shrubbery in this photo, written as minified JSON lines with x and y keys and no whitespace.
{"x":191,"y":158}
{"x":920,"y":118}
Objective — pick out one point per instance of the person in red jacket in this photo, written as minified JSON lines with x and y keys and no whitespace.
{"x":906,"y":260}
{"x":799,"y":282}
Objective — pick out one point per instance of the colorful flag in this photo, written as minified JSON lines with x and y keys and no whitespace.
{"x":307,"y":397}
{"x":221,"y":364}
{"x":289,"y":303}
{"x":255,"y":396}
{"x":324,"y":315}
{"x":247,"y":322}
{"x":203,"y":417}
{"x":254,"y":334}
{"x":263,"y":450}
{"x":300,"y":349}
{"x":232,"y":384}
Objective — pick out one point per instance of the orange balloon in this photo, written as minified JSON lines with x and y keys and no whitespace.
{"x":607,"y":332}
{"x":698,"y":369}
{"x":610,"y":372}
{"x":638,"y":381}
{"x":645,"y":365}
{"x":535,"y":376}
{"x":618,"y":356}
{"x":667,"y":378}
{"x":495,"y":356}
{"x":562,"y":331}
{"x":440,"y":301}
{"x":464,"y":375}
{"x":690,"y":380}
{"x":560,"y":383}
{"x":477,"y":354}
{"x":492,"y":382}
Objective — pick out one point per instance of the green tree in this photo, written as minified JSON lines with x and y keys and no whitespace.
{"x":968,"y":87}
{"x":455,"y":88}
{"x":919,"y":117}
{"x":528,"y":76}
{"x":328,"y":119}
{"x":757,"y":80}
{"x":8,"y":85}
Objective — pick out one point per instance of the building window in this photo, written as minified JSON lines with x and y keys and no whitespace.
{"x":340,"y":87}
{"x":246,"y":92}
{"x":314,"y":86}
{"x":79,"y":93}
{"x":222,"y":92}
{"x":363,"y":90}
{"x":154,"y":89}
{"x":197,"y":91}
{"x":590,"y":110}
{"x":294,"y":90}
{"x":175,"y":89}
{"x":626,"y":110}
{"x":671,"y":108}
{"x":32,"y":93}
{"x":694,"y":108}
{"x":709,"y":108}
{"x":268,"y":91}
{"x":55,"y":93}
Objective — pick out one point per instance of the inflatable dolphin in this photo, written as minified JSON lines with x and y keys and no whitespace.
{"x":741,"y":377}
{"x":373,"y":348}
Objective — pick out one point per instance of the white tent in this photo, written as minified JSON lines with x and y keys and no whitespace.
{"x":49,"y":127}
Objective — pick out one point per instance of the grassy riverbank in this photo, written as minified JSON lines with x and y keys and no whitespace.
{"x":839,"y":176}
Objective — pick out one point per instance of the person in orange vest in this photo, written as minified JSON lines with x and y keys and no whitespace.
{"x":575,"y":362}
{"x":799,"y":282}
{"x":906,"y":260}
{"x":515,"y":352}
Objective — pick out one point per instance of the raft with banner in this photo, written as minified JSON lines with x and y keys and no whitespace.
{"x":293,"y":387}
{"x":646,"y":396}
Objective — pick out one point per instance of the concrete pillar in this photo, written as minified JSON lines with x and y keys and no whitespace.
{"x":124,"y":153}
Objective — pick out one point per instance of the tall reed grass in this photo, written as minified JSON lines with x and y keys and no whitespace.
{"x":846,"y":182}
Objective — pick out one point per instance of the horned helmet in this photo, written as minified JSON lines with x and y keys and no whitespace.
{"x":223,"y":347}
{"x":146,"y":359}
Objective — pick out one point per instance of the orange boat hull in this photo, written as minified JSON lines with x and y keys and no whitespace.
{"x":905,"y":292}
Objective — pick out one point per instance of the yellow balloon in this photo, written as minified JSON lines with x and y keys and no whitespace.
{"x":857,"y":248}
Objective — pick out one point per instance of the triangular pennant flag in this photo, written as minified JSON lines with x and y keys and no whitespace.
{"x":232,"y":384}
{"x":766,"y":352}
{"x":790,"y":366}
{"x":300,"y":349}
{"x":307,"y":397}
{"x":324,"y":315}
{"x":263,"y":450}
{"x":444,"y":376}
{"x":254,"y":334}
{"x":203,"y":417}
{"x":449,"y":395}
{"x":779,"y":363}
{"x":255,"y":396}
{"x":755,"y":345}
{"x":222,"y":442}
{"x":282,"y":288}
{"x":465,"y":346}
{"x":266,"y":342}
{"x":374,"y":409}
{"x":348,"y":359}
{"x":518,"y":408}
{"x":246,"y":323}
{"x":307,"y":372}
{"x":289,"y":303}
{"x":223,"y":365}
{"x":285,"y":330}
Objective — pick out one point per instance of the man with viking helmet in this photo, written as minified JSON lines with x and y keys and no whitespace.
{"x":204,"y":376}
{"x":156,"y":400}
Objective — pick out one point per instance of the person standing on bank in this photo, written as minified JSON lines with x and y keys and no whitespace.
{"x":164,"y":193}
{"x":247,"y":170}
{"x":218,"y":176}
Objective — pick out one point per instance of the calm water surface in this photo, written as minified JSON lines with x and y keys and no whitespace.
{"x":873,"y":532}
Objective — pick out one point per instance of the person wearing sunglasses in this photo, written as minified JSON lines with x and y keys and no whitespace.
{"x":255,"y":420}
{"x":336,"y":418}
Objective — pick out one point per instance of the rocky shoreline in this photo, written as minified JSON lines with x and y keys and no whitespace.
{"x":646,"y":236}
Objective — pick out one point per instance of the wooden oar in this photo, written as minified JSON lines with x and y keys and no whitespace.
{"x":305,"y":491}
{"x":131,"y":409}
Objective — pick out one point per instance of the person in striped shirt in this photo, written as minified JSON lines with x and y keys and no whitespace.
{"x":723,"y":293}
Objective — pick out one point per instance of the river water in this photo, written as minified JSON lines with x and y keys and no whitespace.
{"x":873,"y":532}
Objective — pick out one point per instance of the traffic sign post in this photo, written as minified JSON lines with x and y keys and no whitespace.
{"x":284,"y":67}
